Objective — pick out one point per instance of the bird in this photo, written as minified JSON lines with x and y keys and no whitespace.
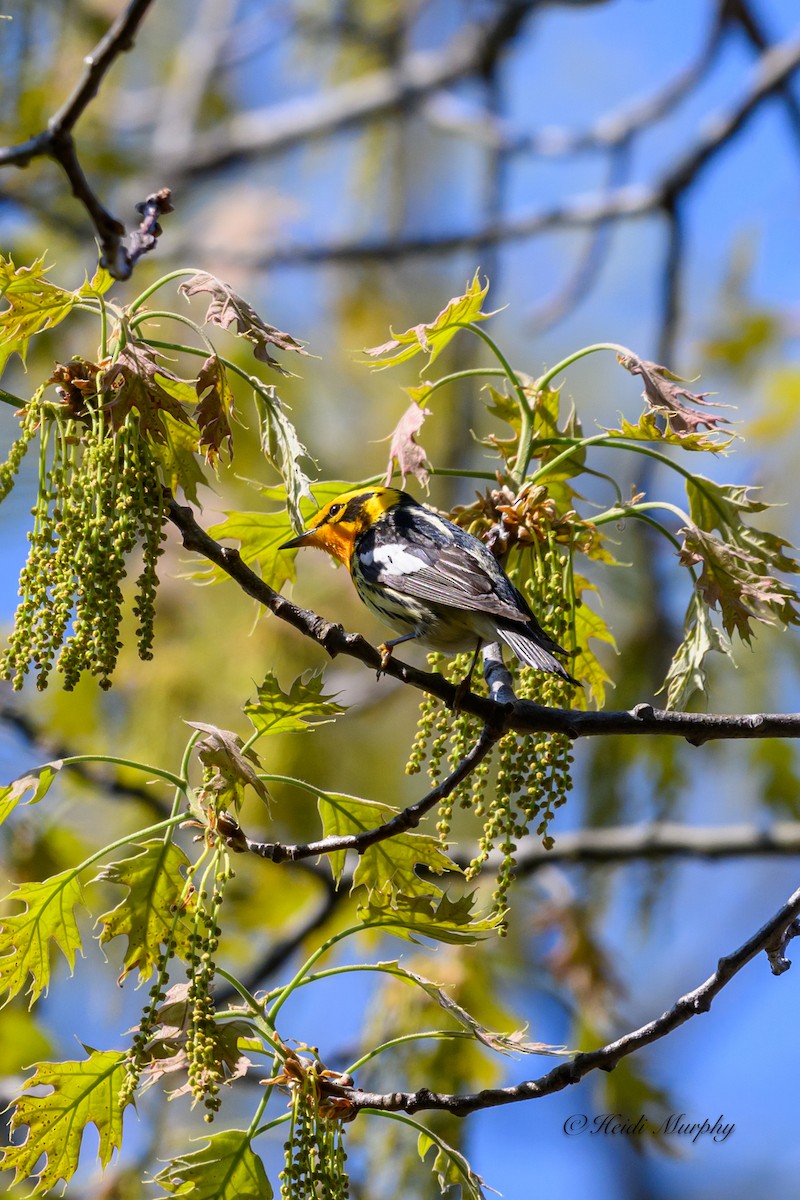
{"x":427,"y":579}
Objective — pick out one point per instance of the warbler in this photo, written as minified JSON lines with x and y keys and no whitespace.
{"x":426,"y":578}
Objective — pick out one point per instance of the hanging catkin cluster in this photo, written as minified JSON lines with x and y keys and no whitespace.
{"x":99,"y":497}
{"x":530,"y":776}
{"x":314,"y":1153}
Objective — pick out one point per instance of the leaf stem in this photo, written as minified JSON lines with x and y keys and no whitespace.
{"x":159,"y":283}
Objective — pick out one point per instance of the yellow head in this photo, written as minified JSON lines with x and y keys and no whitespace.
{"x":337,"y":525}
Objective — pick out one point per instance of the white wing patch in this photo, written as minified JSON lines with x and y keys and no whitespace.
{"x":393,"y":559}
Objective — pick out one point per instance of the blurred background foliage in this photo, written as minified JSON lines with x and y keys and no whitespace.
{"x":346,"y":166}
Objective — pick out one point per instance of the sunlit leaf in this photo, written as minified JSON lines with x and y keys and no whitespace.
{"x":304,"y":706}
{"x":36,"y":782}
{"x":664,"y":396}
{"x":387,"y":869}
{"x":166,"y":1053}
{"x":590,"y":626}
{"x":283,"y":449}
{"x":25,"y":937}
{"x":648,"y":429}
{"x":222,"y":752}
{"x":225,"y":1169}
{"x":150,"y":916}
{"x":34,"y":304}
{"x":135,"y":382}
{"x":450,"y":1168}
{"x":229,"y":310}
{"x":431,"y":338}
{"x":440,"y":918}
{"x":177,"y":453}
{"x":687,"y":673}
{"x":82,"y":1093}
{"x":260,"y":536}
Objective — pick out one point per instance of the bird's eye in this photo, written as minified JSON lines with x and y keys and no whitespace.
{"x":335,"y":509}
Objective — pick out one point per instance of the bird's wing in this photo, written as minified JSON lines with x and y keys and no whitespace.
{"x":449,"y":575}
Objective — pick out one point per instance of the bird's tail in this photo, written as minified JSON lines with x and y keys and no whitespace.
{"x":530,"y":650}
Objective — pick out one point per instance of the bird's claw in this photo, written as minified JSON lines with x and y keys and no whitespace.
{"x":386,"y":654}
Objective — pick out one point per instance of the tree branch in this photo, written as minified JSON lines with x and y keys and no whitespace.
{"x":771,"y":938}
{"x":407,"y":818}
{"x":773,"y":70}
{"x":523,"y":716}
{"x":57,"y":142}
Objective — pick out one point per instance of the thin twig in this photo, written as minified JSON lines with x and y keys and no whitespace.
{"x":57,"y":142}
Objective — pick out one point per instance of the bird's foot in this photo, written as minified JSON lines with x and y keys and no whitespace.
{"x":385,"y":652}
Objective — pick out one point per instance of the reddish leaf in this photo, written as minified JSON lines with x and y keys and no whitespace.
{"x":664,"y":395}
{"x":229,"y":310}
{"x":216,"y":403}
{"x":405,"y":450}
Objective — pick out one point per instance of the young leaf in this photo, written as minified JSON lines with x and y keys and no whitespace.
{"x":388,"y":869}
{"x":432,"y":338}
{"x":223,"y":751}
{"x":25,"y":937}
{"x":738,"y":584}
{"x":34,"y":304}
{"x":38,"y":782}
{"x":586,"y":666}
{"x":83,"y":1093}
{"x":225,"y":1169}
{"x":228,"y":310}
{"x":664,"y":395}
{"x":687,"y":671}
{"x":260,"y":536}
{"x":451,"y":1168}
{"x":283,"y":449}
{"x":406,"y":451}
{"x":303,"y":707}
{"x":723,"y":507}
{"x":215,"y":408}
{"x":134,"y":381}
{"x":511,"y":1043}
{"x":647,"y":429}
{"x":156,"y":882}
{"x":166,"y":1052}
{"x":177,"y":453}
{"x":412,"y":917}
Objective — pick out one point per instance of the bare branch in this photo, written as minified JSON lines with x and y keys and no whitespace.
{"x":523,"y":716}
{"x":57,"y":142}
{"x":271,"y":130}
{"x":771,"y":938}
{"x":772,"y":71}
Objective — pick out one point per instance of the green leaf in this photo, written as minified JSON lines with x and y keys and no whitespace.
{"x":738,"y":583}
{"x":412,"y":917}
{"x":156,"y":882}
{"x":590,"y":626}
{"x":25,"y":937}
{"x":303,"y":707}
{"x":723,"y":507}
{"x":34,"y":304}
{"x":432,"y":338}
{"x":647,"y":429}
{"x":451,"y":1168}
{"x":283,"y":449}
{"x":511,"y":1043}
{"x":228,"y":310}
{"x":99,"y":284}
{"x":83,"y":1093}
{"x":687,"y":671}
{"x":177,"y":453}
{"x":38,"y":782}
{"x":225,"y":1169}
{"x":387,"y":870}
{"x":260,"y":537}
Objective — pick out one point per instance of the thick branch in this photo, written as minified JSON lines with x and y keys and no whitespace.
{"x":771,"y":938}
{"x":57,"y":142}
{"x":523,"y":716}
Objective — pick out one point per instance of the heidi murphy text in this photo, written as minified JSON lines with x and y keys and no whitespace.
{"x":676,"y":1125}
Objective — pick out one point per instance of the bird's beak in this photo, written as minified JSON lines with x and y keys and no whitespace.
{"x":303,"y":539}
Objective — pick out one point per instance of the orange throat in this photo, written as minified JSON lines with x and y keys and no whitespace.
{"x":333,"y":541}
